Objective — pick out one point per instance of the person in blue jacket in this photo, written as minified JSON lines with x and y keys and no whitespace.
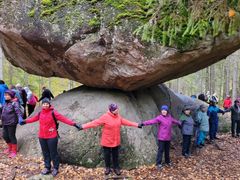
{"x":3,"y":88}
{"x":212,"y":113}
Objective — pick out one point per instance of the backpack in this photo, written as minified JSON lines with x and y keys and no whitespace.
{"x":32,"y":100}
{"x":55,"y":120}
{"x":20,"y":107}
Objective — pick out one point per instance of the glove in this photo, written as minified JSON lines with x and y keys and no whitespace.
{"x":140,"y":125}
{"x":21,"y":121}
{"x":78,"y":126}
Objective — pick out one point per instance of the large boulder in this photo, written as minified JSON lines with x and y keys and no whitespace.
{"x":75,"y":40}
{"x":84,"y":104}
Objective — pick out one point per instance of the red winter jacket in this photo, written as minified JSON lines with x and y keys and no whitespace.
{"x":47,"y":126}
{"x":227,"y":103}
{"x":111,"y":128}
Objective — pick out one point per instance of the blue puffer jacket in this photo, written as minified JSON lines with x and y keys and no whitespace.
{"x":10,"y":113}
{"x":213,"y":112}
{"x":3,"y":88}
{"x":187,"y":124}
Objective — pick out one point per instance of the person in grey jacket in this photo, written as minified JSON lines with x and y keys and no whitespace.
{"x":187,"y":130}
{"x":235,"y":118}
{"x":202,"y":120}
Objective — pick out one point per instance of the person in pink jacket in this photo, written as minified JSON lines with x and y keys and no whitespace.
{"x":165,"y":121}
{"x":110,"y":140}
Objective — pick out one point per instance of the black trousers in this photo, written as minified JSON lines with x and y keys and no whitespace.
{"x":163,"y":146}
{"x":9,"y":134}
{"x":50,"y":153}
{"x":111,"y":152}
{"x":30,"y":109}
{"x":186,"y":144}
{"x":25,"y":111}
{"x":235,"y":125}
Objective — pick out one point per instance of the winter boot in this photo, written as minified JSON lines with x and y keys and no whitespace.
{"x":45,"y":171}
{"x":117,"y":171}
{"x":13,"y":153}
{"x":9,"y":149}
{"x":107,"y":171}
{"x":54,"y":172}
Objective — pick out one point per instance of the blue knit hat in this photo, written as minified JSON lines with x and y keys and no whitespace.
{"x":164,"y":107}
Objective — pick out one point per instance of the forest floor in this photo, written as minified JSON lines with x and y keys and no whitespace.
{"x":214,"y":161}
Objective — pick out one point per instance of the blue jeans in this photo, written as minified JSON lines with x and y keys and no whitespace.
{"x":201,"y":137}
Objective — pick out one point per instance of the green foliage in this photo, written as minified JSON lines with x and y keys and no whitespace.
{"x":31,"y":13}
{"x":47,"y":2}
{"x":95,"y":22}
{"x":175,"y":23}
{"x":178,"y":23}
{"x":35,"y":83}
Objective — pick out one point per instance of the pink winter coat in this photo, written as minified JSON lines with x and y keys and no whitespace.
{"x":165,"y":126}
{"x":111,"y":128}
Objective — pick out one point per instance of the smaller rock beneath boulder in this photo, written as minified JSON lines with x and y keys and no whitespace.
{"x":41,"y":177}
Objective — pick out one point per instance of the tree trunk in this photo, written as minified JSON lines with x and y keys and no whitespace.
{"x":1,"y":63}
{"x":212,"y":79}
{"x":10,"y":73}
{"x":25,"y":82}
{"x":235,"y":78}
{"x":227,"y":77}
{"x":207,"y":88}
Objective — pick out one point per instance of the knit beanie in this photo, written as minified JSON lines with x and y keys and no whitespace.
{"x":11,"y":93}
{"x":112,"y":107}
{"x":46,"y":100}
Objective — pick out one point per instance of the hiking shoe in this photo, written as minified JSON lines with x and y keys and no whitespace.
{"x":54,"y":172}
{"x":169,"y":164}
{"x":117,"y":172}
{"x":159,"y":166}
{"x":216,"y":138}
{"x":45,"y":171}
{"x":107,"y":171}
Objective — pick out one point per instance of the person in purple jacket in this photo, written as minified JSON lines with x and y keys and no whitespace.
{"x":10,"y":115}
{"x":165,"y":121}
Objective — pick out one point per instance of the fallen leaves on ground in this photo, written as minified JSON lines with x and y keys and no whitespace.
{"x":210,"y":163}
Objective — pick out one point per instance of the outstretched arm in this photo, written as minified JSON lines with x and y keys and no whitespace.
{"x":63,"y":119}
{"x":32,"y":119}
{"x":220,"y":111}
{"x":126,"y":122}
{"x":94,"y":123}
{"x":176,"y":121}
{"x":151,"y":121}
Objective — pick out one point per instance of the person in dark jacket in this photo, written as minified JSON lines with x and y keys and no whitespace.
{"x":23,"y":95}
{"x":212,"y":113}
{"x":187,"y":130}
{"x":48,"y":134}
{"x":235,"y":118}
{"x":46,"y":93}
{"x":10,"y":115}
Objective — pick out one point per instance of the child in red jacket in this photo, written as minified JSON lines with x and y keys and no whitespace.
{"x":48,"y":135}
{"x":110,"y":141}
